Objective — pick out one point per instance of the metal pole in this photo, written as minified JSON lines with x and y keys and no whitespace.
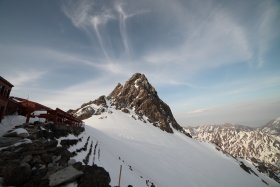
{"x":120,"y":176}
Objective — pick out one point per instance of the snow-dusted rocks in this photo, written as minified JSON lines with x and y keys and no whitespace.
{"x":19,"y":132}
{"x":258,"y":145}
{"x":273,"y":128}
{"x":138,"y":94}
{"x":45,"y":161}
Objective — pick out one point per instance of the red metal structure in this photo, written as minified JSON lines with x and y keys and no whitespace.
{"x":5,"y":90}
{"x":29,"y":108}
{"x":59,"y":116}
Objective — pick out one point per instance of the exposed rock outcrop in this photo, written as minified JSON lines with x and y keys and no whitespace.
{"x":138,"y":94}
{"x":259,"y":145}
{"x":37,"y":160}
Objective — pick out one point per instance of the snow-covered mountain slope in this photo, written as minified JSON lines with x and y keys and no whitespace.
{"x":151,"y":156}
{"x":259,"y":145}
{"x":134,"y":128}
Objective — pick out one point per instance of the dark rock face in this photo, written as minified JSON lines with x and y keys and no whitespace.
{"x":246,"y":168}
{"x":100,"y":101}
{"x":16,"y":174}
{"x":269,"y":169}
{"x":86,"y":111}
{"x":94,"y":176}
{"x":138,"y":94}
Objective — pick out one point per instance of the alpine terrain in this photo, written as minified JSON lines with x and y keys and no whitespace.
{"x":134,"y":131}
{"x":260,"y":146}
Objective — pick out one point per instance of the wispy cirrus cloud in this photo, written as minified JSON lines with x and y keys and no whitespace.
{"x":81,"y":15}
{"x":267,"y":32}
{"x":221,"y":40}
{"x":198,"y":111}
{"x":93,"y":18}
{"x":203,"y":37}
{"x":123,"y":17}
{"x":78,"y":11}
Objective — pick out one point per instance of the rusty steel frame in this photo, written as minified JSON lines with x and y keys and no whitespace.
{"x":56,"y":116}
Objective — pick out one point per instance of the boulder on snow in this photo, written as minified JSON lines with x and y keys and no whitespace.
{"x":64,"y":176}
{"x":125,"y":110}
{"x":94,"y":176}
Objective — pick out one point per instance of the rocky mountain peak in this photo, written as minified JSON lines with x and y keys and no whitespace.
{"x":139,"y":95}
{"x":137,"y":83}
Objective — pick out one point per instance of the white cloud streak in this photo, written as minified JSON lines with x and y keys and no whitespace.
{"x":96,"y":21}
{"x":78,"y":11}
{"x":218,"y":42}
{"x":24,"y":78}
{"x":123,"y":18}
{"x":198,"y":111}
{"x":266,"y":34}
{"x":122,"y":24}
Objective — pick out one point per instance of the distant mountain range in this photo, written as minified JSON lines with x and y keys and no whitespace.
{"x":261,"y":145}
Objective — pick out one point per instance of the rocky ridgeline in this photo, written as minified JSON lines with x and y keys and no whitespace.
{"x":259,"y":145}
{"x":139,"y":95}
{"x":86,"y":110}
{"x":30,"y":156}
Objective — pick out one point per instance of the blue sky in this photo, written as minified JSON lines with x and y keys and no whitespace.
{"x":211,"y":61}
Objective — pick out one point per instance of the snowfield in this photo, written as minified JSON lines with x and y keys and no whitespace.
{"x":149,"y":155}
